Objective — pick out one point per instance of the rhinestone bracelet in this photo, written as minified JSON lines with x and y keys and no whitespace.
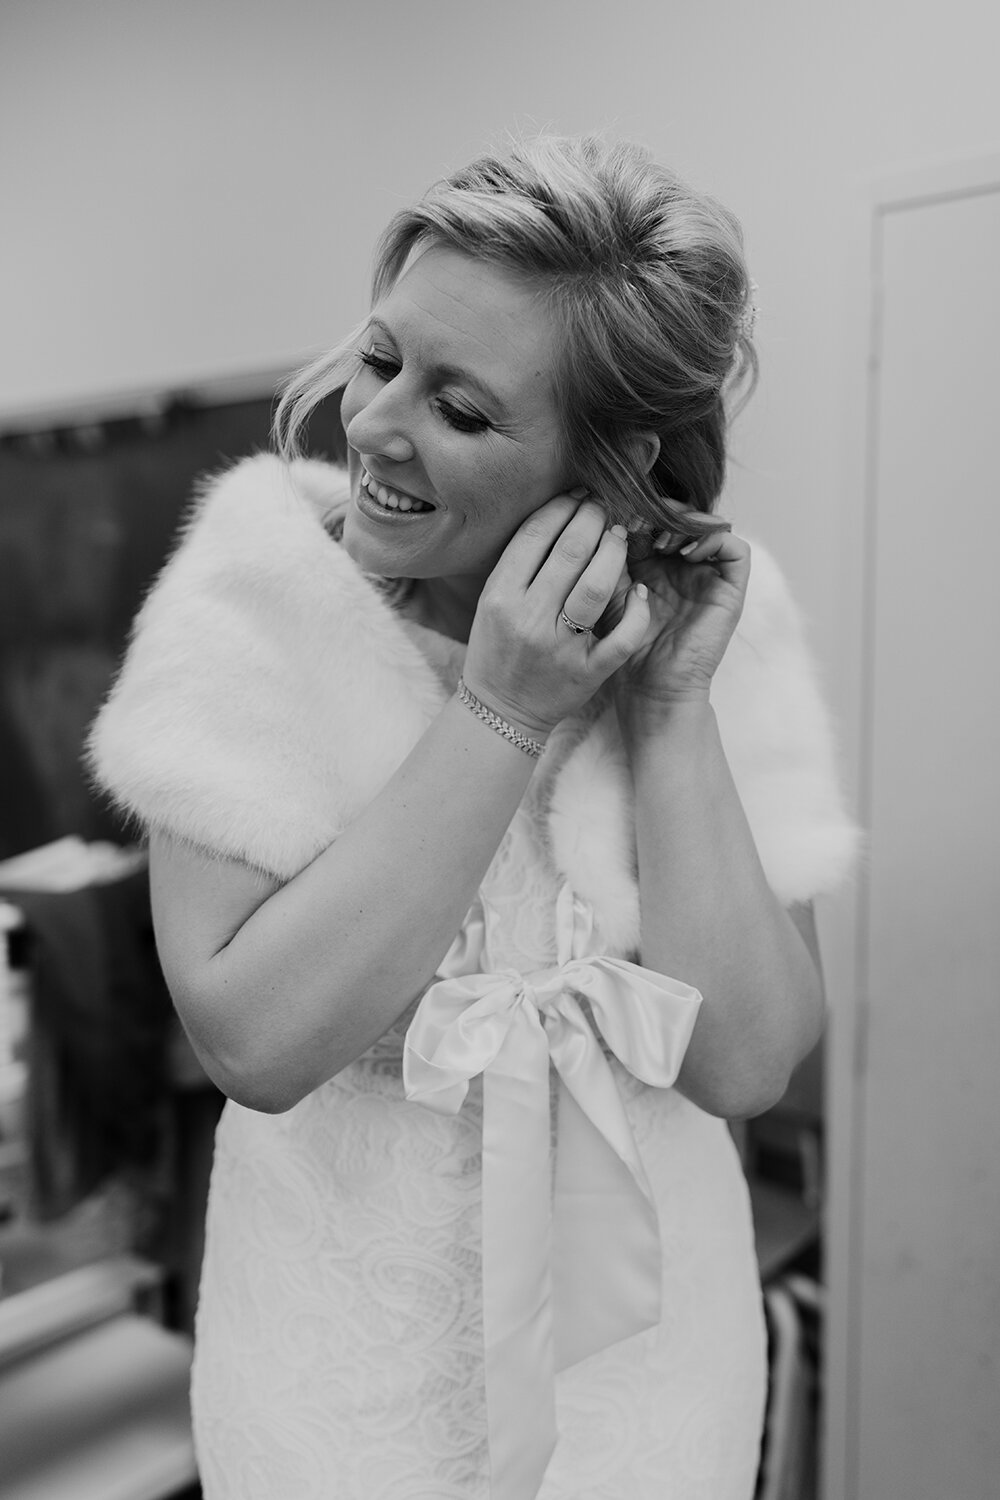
{"x":523,"y":741}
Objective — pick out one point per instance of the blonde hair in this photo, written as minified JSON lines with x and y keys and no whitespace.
{"x":647,"y":285}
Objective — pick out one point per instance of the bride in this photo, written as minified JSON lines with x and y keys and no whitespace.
{"x":487,"y":786}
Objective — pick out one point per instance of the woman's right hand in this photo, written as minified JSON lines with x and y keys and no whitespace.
{"x":523,"y":660}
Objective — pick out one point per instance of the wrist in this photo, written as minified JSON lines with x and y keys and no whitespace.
{"x":674,"y":754}
{"x":642,"y":716}
{"x":528,"y":724}
{"x":525,"y":738}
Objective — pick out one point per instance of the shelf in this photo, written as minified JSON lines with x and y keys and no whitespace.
{"x":100,"y":1416}
{"x":69,"y":1304}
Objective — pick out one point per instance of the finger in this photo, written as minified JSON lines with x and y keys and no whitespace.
{"x":728,"y":553}
{"x":615,"y":607}
{"x":534,"y":538}
{"x":669,"y":542}
{"x":571,"y":552}
{"x":628,"y":635}
{"x":594,"y":589}
{"x":673,"y":538}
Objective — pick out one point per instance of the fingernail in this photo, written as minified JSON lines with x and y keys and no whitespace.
{"x":579,"y":493}
{"x":641,"y":591}
{"x":689,"y":547}
{"x":663,"y":540}
{"x":619,"y":531}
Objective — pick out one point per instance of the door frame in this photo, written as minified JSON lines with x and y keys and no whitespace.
{"x":844,"y":925}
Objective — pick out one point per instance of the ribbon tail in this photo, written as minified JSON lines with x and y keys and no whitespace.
{"x":517,"y":1292}
{"x":606,"y":1233}
{"x":606,"y":1239}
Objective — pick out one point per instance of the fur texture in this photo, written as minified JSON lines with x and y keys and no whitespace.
{"x":269,"y":692}
{"x":778,"y":741}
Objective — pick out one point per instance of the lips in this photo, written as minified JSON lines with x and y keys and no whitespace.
{"x":389,"y":499}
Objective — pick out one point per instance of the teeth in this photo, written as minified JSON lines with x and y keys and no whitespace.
{"x":388,"y":498}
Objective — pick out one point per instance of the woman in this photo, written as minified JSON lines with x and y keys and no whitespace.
{"x":458,"y":768}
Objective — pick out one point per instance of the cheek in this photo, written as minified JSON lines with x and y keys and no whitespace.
{"x":518,"y":488}
{"x":495,"y":502}
{"x":508,"y":479}
{"x":506,"y":495}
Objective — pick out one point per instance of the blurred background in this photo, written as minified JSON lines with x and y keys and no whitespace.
{"x":189,"y":195}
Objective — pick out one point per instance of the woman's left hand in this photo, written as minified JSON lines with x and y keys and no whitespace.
{"x":696,"y":594}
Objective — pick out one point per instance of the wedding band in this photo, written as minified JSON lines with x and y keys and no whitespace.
{"x":574,"y":625}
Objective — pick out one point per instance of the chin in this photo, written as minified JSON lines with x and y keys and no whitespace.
{"x":369,"y":557}
{"x":371,"y":553}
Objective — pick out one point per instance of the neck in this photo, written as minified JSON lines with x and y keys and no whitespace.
{"x":447,"y":605}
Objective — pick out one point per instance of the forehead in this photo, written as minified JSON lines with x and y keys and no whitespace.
{"x":475,"y":317}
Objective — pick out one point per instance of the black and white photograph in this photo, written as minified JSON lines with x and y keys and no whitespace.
{"x":499,"y":728}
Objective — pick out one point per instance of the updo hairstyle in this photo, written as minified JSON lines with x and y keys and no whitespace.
{"x":646,"y":283}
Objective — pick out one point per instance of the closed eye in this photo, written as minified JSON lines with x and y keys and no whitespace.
{"x":387,"y":369}
{"x":462,"y":421}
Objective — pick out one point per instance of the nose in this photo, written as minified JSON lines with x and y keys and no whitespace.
{"x":380,"y":427}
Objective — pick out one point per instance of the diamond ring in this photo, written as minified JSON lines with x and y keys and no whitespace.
{"x":575,"y":625}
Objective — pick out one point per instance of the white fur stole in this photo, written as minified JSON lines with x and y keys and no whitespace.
{"x":269,"y":692}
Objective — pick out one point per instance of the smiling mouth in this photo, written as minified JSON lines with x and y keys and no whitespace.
{"x":390,"y":499}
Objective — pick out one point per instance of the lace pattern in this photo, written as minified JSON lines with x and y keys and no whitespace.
{"x":339,"y":1334}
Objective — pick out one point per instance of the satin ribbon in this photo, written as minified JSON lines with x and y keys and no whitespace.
{"x":568,"y":1270}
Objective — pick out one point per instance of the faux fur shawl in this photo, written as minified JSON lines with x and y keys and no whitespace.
{"x":269,"y":692}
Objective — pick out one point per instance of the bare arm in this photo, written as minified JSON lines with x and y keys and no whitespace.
{"x":281,"y":987}
{"x":708,"y":914}
{"x":710,"y":918}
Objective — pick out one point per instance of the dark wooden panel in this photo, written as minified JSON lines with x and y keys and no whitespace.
{"x":87,"y":517}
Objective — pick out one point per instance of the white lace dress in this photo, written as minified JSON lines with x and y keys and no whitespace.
{"x":339,"y":1335}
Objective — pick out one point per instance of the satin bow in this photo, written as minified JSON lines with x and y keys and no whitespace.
{"x":566,"y":1271}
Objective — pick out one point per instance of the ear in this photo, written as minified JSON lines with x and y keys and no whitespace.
{"x":644,"y":449}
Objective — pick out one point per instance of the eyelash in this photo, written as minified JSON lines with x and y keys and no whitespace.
{"x":461,"y":421}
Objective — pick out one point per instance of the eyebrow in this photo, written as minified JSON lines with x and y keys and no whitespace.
{"x":444,"y":371}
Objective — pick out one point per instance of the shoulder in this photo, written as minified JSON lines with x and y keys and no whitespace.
{"x":263,"y":497}
{"x":245,"y":717}
{"x":768,"y":687}
{"x":252,"y":547}
{"x":773,"y":613}
{"x":780,"y":739}
{"x":780,"y":744}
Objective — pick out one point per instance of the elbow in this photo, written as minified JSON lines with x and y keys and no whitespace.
{"x":779,"y":1049}
{"x":245,"y":1074}
{"x":747,"y":1078}
{"x":754,"y":1096}
{"x":267,"y":1084}
{"x":739,"y":1098}
{"x":255,"y":1088}
{"x":254,"y":1056}
{"x":766,"y":1083}
{"x":260,"y":1095}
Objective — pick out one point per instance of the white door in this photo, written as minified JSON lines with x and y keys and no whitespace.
{"x":923,"y":1398}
